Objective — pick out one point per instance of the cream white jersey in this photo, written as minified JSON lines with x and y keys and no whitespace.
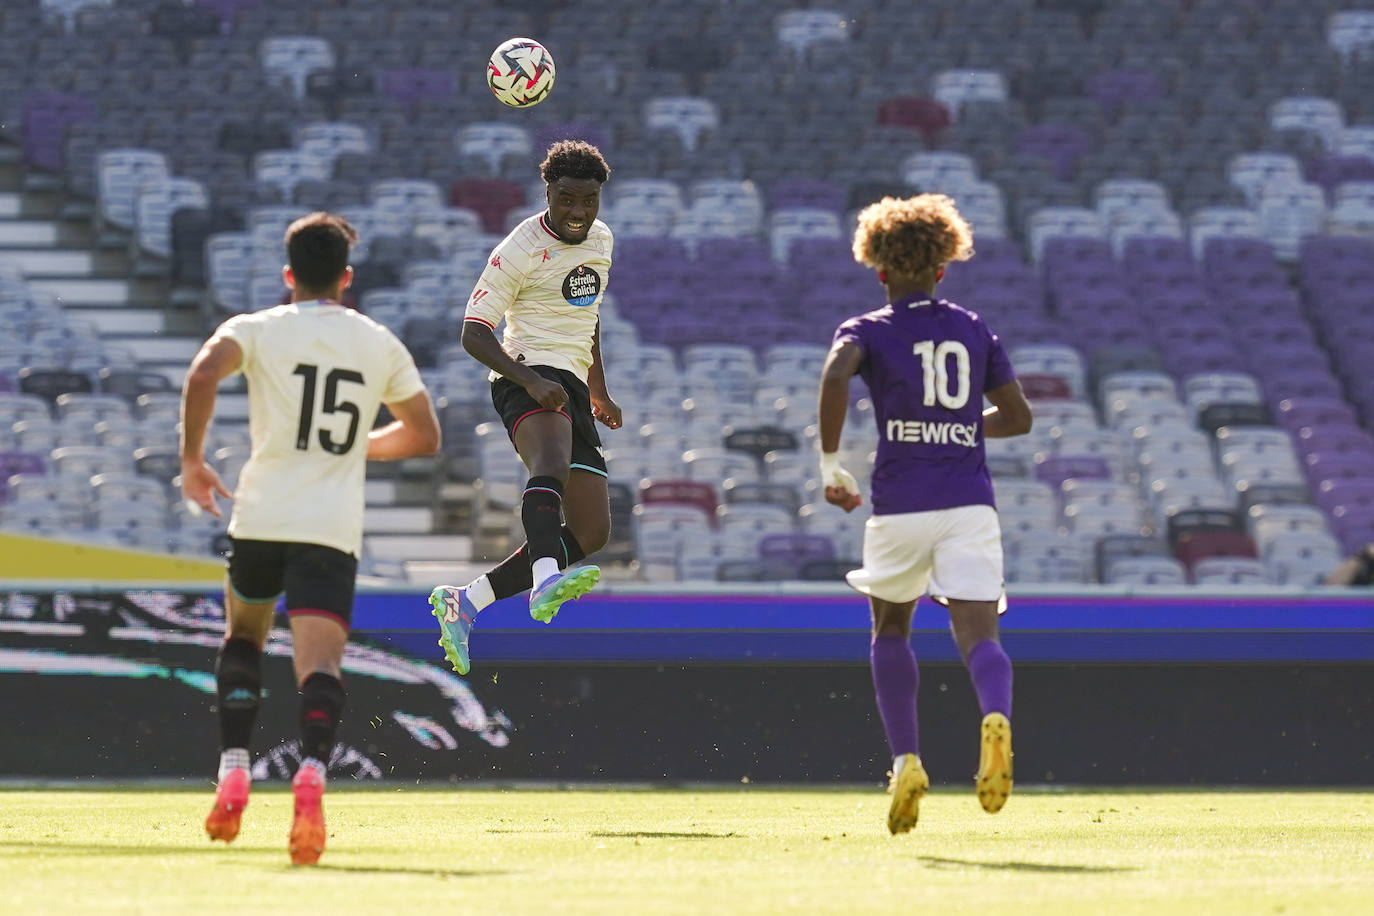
{"x":317,"y":373}
{"x":548,"y":292}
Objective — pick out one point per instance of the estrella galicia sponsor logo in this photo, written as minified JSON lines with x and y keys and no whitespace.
{"x":582,"y":285}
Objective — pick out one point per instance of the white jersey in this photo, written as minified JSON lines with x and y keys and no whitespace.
{"x":549,"y":293}
{"x":317,"y":373}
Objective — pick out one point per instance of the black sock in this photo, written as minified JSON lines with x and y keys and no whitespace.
{"x":541,"y":511}
{"x":322,"y":700}
{"x":238,"y":685}
{"x":513,"y":575}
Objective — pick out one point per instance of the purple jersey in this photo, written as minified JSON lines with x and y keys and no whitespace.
{"x":927,"y":363}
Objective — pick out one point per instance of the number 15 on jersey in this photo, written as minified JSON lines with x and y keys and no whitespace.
{"x":331,"y":405}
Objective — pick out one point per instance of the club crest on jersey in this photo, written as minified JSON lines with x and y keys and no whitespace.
{"x":581,"y":286}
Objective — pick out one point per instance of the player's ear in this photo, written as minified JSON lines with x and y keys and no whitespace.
{"x":882,"y":276}
{"x":347,"y":277}
{"x":940,"y":274}
{"x":288,"y":277}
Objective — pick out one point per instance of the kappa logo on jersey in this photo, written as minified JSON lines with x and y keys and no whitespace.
{"x":478,"y":295}
{"x":582,"y":286}
{"x":496,"y":261}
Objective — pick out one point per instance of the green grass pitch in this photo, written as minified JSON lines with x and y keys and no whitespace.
{"x":709,"y":850}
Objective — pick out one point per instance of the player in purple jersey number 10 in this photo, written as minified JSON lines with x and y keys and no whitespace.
{"x":928,"y":365}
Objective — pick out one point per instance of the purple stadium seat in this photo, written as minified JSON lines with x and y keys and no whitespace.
{"x":410,"y":86}
{"x":1354,"y":527}
{"x":1055,"y":470}
{"x":1346,"y":491}
{"x":1063,"y":251}
{"x":1295,"y":413}
{"x":1342,"y":439}
{"x":1331,"y":465}
{"x":1144,"y":252}
{"x":1061,"y":144}
{"x":1330,"y":171}
{"x":807,"y":192}
{"x":796,"y":549}
{"x":728,"y":252}
{"x":1185,"y":357}
{"x":1112,"y":89}
{"x":1327,"y":250}
{"x":226,"y":10}
{"x":12,"y":463}
{"x":1283,"y":382}
{"x":44,"y":119}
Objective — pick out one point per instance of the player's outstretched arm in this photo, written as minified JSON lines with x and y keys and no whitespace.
{"x":1010,"y":413}
{"x":219,"y":358}
{"x":415,"y":431}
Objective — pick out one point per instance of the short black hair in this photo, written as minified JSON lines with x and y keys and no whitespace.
{"x":574,"y":159}
{"x":317,"y":247}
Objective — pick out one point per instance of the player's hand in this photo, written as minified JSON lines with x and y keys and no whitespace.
{"x":845,"y":499}
{"x":199,"y":486}
{"x":607,"y":411}
{"x":841,"y":489}
{"x":547,"y":393}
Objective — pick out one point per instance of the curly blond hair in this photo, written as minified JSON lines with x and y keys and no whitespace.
{"x":911,"y":235}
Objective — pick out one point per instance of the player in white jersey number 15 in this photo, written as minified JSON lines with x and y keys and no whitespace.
{"x":317,"y":374}
{"x":545,"y":281}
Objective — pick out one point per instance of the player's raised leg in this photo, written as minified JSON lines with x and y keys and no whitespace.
{"x":545,"y":442}
{"x":896,"y":681}
{"x":586,"y":505}
{"x":319,"y":644}
{"x":975,"y":630}
{"x":238,"y":688}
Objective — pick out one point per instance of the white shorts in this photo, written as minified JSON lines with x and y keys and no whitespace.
{"x":948,"y":553}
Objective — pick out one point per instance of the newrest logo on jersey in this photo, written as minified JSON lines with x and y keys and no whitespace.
{"x":582,"y":286}
{"x":946,"y":433}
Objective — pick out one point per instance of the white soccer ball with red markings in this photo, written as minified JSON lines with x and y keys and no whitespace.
{"x":520,"y":72}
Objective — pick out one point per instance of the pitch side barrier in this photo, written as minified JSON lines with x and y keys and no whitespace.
{"x":764,"y":683}
{"x":807,"y":623}
{"x":811,"y":623}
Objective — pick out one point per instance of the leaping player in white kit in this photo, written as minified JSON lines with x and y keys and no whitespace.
{"x":928,"y":365}
{"x":546,"y":280}
{"x":317,"y":373}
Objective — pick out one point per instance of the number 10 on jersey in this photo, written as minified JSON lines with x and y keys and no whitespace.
{"x":935,"y":373}
{"x":310,"y":373}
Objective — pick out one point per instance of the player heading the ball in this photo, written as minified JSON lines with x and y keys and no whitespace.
{"x":545,"y":280}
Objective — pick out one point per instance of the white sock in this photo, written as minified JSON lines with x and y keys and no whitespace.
{"x":319,"y":767}
{"x":234,"y":758}
{"x":897,"y":763}
{"x":544,"y":569}
{"x":480,"y":592}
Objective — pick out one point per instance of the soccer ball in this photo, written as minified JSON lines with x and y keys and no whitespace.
{"x":520,"y":72}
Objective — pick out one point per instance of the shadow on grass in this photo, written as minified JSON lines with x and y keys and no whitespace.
{"x":664,"y":835}
{"x":939,"y":862}
{"x":402,"y":870}
{"x":60,"y":847}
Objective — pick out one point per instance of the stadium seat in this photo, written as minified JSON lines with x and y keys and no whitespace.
{"x":120,"y":174}
{"x":668,"y":491}
{"x":294,"y":57}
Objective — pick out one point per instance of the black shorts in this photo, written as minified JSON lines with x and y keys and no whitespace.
{"x":315,"y":579}
{"x":513,"y":404}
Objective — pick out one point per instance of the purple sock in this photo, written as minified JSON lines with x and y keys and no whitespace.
{"x":895,"y":681}
{"x":990,"y":670}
